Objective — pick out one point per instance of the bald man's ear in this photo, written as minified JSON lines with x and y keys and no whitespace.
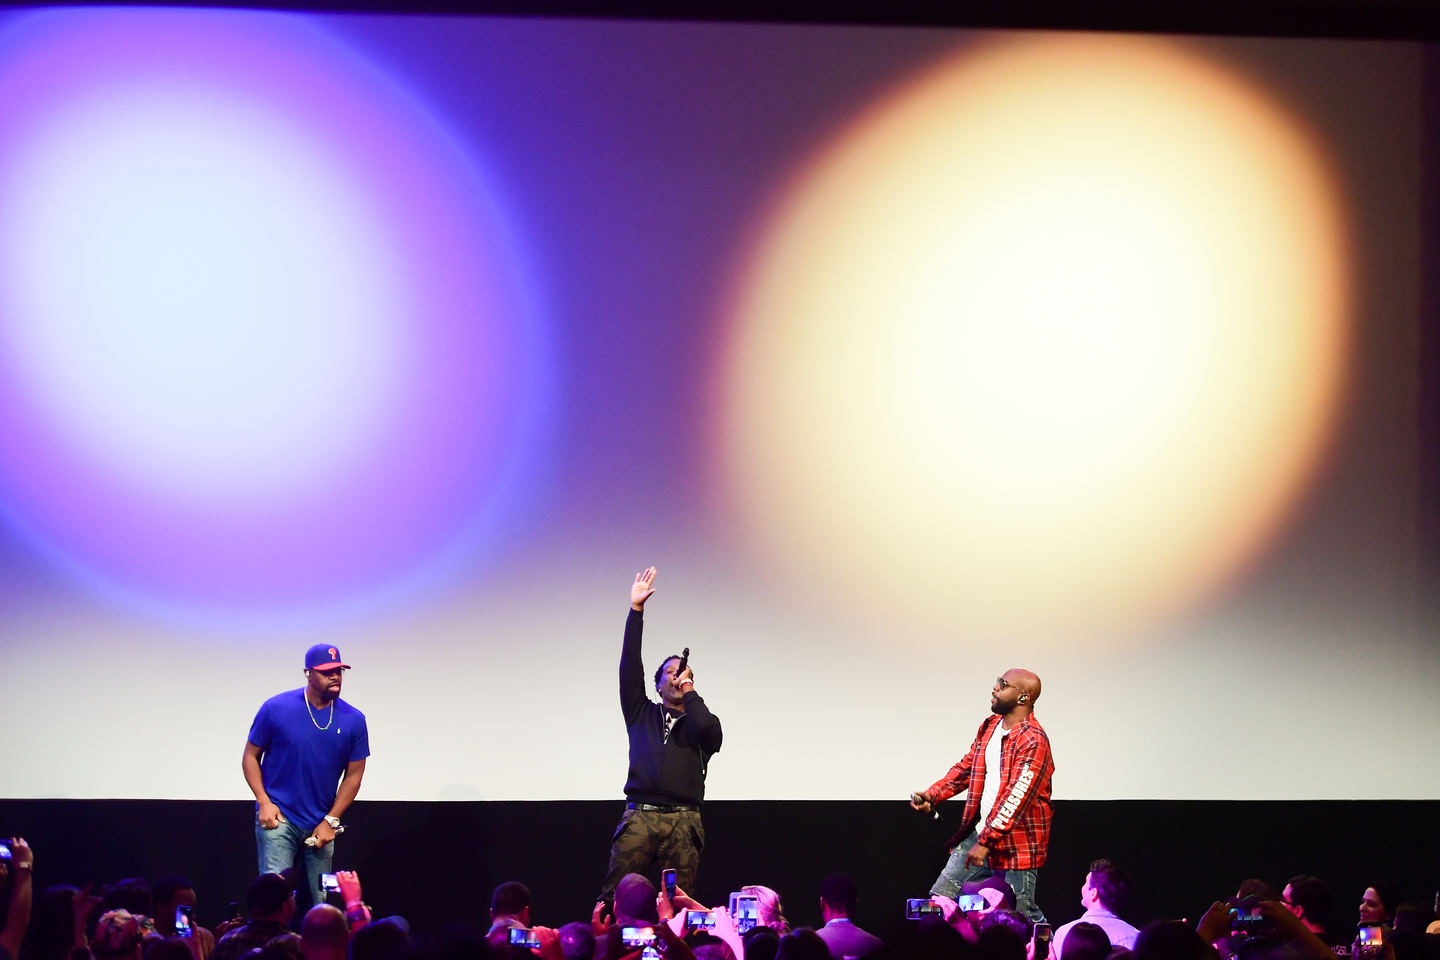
{"x":1024,"y":697}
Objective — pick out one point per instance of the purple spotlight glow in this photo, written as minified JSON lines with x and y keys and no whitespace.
{"x":266,"y":342}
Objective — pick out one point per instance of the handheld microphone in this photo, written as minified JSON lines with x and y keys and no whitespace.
{"x":684,"y":659}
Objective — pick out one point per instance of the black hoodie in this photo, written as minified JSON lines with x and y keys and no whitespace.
{"x":665,"y":771}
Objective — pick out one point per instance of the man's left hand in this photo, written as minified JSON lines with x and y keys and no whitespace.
{"x":976,"y":856}
{"x":323,"y":834}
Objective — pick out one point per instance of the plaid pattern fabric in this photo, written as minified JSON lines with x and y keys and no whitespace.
{"x":241,"y":940}
{"x":1018,"y":829}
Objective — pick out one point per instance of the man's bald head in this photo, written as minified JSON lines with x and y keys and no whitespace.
{"x":1028,"y":683}
{"x":324,"y":934}
{"x":1016,"y":691}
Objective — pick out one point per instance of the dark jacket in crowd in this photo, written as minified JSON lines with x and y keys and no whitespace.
{"x":666,"y":770}
{"x":242,"y":940}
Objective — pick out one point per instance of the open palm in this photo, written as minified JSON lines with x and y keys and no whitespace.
{"x":641,"y":589}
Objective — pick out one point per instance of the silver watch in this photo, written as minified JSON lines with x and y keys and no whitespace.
{"x":333,"y":821}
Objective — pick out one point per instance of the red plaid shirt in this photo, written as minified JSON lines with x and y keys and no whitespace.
{"x":1018,"y":830}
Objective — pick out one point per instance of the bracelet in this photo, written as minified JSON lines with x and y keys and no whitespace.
{"x":352,"y":904}
{"x":27,"y":865}
{"x":683,"y":682}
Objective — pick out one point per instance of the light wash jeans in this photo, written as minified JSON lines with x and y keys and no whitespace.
{"x":278,"y":848}
{"x":957,"y":872}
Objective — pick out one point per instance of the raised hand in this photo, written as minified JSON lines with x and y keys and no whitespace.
{"x":349,"y":886}
{"x":20,"y":850}
{"x":682,"y":899}
{"x":1215,"y":925}
{"x":948,"y":908}
{"x":670,"y":944}
{"x":549,"y":948}
{"x":600,"y":921}
{"x":725,"y":930}
{"x":641,"y":589}
{"x":82,"y":902}
{"x":921,"y":801}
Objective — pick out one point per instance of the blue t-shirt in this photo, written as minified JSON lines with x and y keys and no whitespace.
{"x":302,"y":764}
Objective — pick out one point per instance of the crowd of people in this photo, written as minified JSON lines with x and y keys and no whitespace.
{"x":133,"y":919}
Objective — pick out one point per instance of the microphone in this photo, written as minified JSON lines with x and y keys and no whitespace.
{"x":684,"y":659}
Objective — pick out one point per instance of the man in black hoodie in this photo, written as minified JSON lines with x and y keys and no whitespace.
{"x":671,"y":743}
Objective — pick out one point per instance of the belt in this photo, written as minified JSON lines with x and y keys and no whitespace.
{"x":678,"y":808}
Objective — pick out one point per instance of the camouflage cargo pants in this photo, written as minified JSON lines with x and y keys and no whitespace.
{"x":644,"y":836}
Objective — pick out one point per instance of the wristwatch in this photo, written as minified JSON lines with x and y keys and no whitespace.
{"x":333,"y":821}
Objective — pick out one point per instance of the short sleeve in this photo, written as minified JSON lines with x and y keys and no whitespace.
{"x":263,"y":729}
{"x":360,"y":742}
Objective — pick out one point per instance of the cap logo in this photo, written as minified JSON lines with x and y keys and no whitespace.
{"x":332,"y":653}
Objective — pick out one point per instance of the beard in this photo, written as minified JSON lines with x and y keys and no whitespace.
{"x":1001,"y":707}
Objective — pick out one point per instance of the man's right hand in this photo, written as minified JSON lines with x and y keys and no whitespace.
{"x":641,"y":589}
{"x":349,"y":887}
{"x":600,"y":921}
{"x":270,"y":815}
{"x":549,"y":948}
{"x":920,"y":800}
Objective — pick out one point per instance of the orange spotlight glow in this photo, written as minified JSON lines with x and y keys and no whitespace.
{"x":1046,"y":345}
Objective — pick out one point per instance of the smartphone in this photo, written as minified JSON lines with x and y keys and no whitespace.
{"x":5,"y":852}
{"x":915,"y":909}
{"x":699,"y":920}
{"x":1246,"y":918}
{"x":972,"y":903}
{"x":234,"y":910}
{"x":1370,"y":942}
{"x":521,"y":937}
{"x":745,"y":911}
{"x":330,"y":883}
{"x":637,"y":936}
{"x":667,"y":877}
{"x":1042,"y":941}
{"x":184,"y":922}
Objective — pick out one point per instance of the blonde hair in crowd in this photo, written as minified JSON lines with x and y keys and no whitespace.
{"x":770,"y":908}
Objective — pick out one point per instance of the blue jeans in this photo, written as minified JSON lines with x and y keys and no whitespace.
{"x":277,"y":849}
{"x":957,"y":872}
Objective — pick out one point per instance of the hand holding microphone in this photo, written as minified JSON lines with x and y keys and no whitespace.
{"x":682,"y":676}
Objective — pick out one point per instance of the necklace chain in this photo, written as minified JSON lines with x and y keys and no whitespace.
{"x":317,"y":722}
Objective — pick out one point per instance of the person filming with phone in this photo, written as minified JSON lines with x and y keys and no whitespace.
{"x":1005,"y":828}
{"x":304,"y":759}
{"x":671,"y":743}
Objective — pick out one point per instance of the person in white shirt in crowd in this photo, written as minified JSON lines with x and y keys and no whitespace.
{"x":1107,"y":887}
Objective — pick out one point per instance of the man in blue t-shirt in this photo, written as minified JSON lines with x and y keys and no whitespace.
{"x":300,"y":746}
